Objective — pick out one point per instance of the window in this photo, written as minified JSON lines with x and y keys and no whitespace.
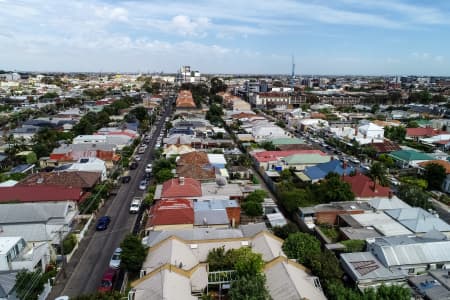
{"x":411,"y":271}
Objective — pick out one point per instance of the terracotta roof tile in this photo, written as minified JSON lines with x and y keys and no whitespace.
{"x":364,"y":187}
{"x":171,"y":212}
{"x":80,"y":179}
{"x":40,"y":194}
{"x":386,"y":146}
{"x":181,"y":188}
{"x":198,"y":172}
{"x":421,"y":132}
{"x":193,"y":158}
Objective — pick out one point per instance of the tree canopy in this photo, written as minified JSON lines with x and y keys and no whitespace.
{"x":435,"y":175}
{"x":301,"y":246}
{"x":133,"y":254}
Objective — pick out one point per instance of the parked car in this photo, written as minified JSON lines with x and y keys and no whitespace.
{"x":137,"y":157}
{"x":143,"y":185}
{"x":108,"y":279}
{"x":147,"y":176}
{"x":148,"y":168}
{"x":158,"y":145}
{"x":102,"y":223}
{"x":133,"y":165}
{"x":126,"y":178}
{"x":115,"y":259}
{"x":135,"y":205}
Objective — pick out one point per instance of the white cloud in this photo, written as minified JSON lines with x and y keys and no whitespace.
{"x":112,"y":13}
{"x":190,"y":27}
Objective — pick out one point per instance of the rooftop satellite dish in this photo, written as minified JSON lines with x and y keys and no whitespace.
{"x":221,"y":181}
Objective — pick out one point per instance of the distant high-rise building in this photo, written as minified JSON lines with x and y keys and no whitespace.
{"x":185,"y":75}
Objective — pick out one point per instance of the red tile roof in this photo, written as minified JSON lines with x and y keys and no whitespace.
{"x":179,"y":188}
{"x":267,"y":156}
{"x":421,"y":132}
{"x":364,"y":187}
{"x":41,"y":194}
{"x":193,"y":158}
{"x":198,"y":172}
{"x":185,"y":100}
{"x":386,"y":146}
{"x":80,"y":179}
{"x":171,"y":212}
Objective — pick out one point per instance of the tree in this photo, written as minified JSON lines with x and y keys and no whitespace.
{"x":249,"y":287}
{"x":395,"y":133}
{"x":325,"y":265}
{"x":256,"y":196}
{"x":412,"y":124}
{"x":386,"y":160}
{"x":378,"y":173}
{"x":217,"y":85}
{"x":247,"y":262}
{"x":267,"y":145}
{"x":333,"y":189}
{"x":301,"y":246}
{"x":293,"y":198}
{"x":163,"y":175}
{"x":435,"y":175}
{"x":252,"y":208}
{"x":133,"y":254}
{"x":284,"y":231}
{"x":29,"y":284}
{"x":414,"y":195}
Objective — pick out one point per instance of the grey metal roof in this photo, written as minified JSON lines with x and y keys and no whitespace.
{"x":429,"y":287}
{"x":32,"y":212}
{"x":251,"y":230}
{"x":192,"y":234}
{"x":418,"y":220}
{"x":405,"y":250}
{"x":211,"y":217}
{"x":364,"y":266}
{"x":7,"y":283}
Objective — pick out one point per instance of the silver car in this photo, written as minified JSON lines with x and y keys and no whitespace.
{"x":115,"y":259}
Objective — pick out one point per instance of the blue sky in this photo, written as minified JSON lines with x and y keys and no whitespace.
{"x":373,"y":37}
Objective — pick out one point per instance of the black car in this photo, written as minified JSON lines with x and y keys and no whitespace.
{"x":126,"y":179}
{"x":147,"y":176}
{"x":103,"y":223}
{"x":133,"y":165}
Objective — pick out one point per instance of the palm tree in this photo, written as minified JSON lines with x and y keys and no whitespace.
{"x":378,"y":173}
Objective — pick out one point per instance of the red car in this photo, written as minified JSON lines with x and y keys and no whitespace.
{"x":108,"y":279}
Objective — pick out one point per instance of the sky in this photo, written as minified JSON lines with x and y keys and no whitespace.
{"x":355,"y":37}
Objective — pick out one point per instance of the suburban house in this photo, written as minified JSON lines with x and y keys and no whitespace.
{"x":37,"y":222}
{"x":16,"y":254}
{"x":365,"y":188}
{"x":320,"y":171}
{"x":409,"y":158}
{"x":41,"y":193}
{"x":265,"y":131}
{"x":180,"y":187}
{"x":171,"y":214}
{"x":80,"y":179}
{"x":180,"y":257}
{"x":384,"y":147}
{"x":367,"y":272}
{"x":74,"y":152}
{"x":412,"y":254}
{"x":421,"y":132}
{"x":418,"y":220}
{"x":268,"y":160}
{"x":117,"y":140}
{"x":185,"y":100}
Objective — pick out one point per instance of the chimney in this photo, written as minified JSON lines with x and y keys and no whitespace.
{"x":390,"y":195}
{"x":181,"y":180}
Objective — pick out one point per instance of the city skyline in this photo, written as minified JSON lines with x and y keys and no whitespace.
{"x":346,"y":37}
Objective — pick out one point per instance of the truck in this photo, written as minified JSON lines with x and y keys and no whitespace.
{"x":135,"y":205}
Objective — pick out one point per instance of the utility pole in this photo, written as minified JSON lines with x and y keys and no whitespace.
{"x":60,"y":233}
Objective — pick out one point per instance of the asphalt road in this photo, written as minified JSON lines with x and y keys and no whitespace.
{"x":84,"y":272}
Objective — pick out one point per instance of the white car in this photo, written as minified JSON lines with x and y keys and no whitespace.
{"x":143,"y":185}
{"x":148,"y":168}
{"x":115,"y":259}
{"x":135,"y":205}
{"x":137,"y":158}
{"x":158,"y":145}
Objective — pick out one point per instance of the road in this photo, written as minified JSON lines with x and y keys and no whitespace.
{"x":85,"y":270}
